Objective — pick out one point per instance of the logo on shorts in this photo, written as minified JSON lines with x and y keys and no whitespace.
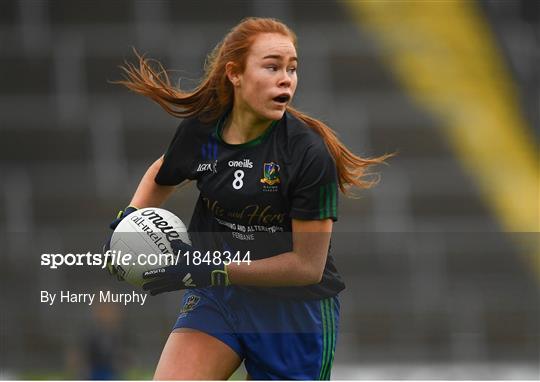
{"x":189,"y":305}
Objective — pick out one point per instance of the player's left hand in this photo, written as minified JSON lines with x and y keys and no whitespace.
{"x":184,"y":275}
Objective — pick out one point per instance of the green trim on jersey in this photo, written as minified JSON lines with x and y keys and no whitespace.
{"x":329,"y":337}
{"x":254,"y":142}
{"x":328,"y":201}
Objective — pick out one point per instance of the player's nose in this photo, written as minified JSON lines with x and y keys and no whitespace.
{"x":285,"y":80}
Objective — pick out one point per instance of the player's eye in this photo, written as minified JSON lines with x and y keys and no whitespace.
{"x":273,"y":68}
{"x":292,"y":70}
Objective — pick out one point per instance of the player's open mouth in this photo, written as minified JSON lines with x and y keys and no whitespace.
{"x":282,"y":98}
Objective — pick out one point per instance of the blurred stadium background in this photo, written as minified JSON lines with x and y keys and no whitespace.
{"x":440,"y":259}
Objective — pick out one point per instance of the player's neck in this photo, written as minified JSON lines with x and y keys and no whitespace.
{"x":241,"y":127}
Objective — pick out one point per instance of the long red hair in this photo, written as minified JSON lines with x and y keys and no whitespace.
{"x":214,"y":95}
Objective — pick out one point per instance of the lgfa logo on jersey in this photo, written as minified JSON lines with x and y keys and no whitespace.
{"x":209,"y":166}
{"x":270,"y":176}
{"x":209,"y":155}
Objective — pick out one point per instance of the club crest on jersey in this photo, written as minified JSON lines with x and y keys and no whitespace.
{"x":270,"y":174}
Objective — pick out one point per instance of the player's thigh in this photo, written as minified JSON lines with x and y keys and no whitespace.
{"x":191,"y":354}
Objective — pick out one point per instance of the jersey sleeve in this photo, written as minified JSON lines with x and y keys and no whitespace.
{"x":314,"y":193}
{"x":175,"y":160}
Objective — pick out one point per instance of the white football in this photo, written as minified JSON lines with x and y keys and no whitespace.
{"x":144,"y":236}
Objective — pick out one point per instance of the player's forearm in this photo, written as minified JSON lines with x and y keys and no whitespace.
{"x":149,"y":193}
{"x":286,"y":269}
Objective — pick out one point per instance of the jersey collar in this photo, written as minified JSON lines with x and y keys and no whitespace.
{"x":254,"y":142}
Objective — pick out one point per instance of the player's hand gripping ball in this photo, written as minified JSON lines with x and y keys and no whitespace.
{"x":144,"y":238}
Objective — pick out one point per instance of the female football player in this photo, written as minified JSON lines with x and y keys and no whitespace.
{"x":260,"y":283}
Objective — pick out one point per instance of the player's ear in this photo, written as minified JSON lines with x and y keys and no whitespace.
{"x":232,"y":72}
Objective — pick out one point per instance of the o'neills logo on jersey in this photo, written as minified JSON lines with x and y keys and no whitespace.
{"x":246,"y":163}
{"x":208,"y":166}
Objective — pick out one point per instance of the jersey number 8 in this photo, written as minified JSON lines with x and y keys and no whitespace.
{"x":238,"y":183}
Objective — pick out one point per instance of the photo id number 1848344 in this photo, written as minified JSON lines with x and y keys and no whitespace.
{"x":216,"y":257}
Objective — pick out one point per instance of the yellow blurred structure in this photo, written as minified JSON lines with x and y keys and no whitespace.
{"x":444,"y":54}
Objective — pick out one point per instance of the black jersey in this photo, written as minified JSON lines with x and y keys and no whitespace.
{"x":250,"y":192}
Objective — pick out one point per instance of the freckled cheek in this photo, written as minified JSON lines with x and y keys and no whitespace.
{"x":252,"y":96}
{"x":260,"y":91}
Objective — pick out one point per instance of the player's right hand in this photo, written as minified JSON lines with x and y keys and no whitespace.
{"x":107,"y":246}
{"x":184,"y":275}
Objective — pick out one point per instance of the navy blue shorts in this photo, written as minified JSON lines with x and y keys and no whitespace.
{"x":277,"y":338}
